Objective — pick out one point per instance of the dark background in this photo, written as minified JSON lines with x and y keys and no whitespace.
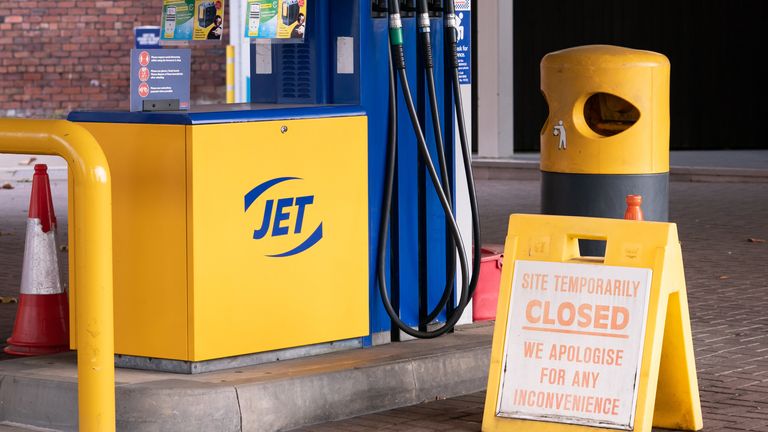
{"x":716,"y":49}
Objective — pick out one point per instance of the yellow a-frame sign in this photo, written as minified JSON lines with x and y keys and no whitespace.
{"x":589,"y":343}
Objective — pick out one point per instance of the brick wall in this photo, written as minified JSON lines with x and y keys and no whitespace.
{"x":59,"y":56}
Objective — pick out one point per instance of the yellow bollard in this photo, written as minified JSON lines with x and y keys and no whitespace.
{"x":230,"y":74}
{"x":92,"y":255}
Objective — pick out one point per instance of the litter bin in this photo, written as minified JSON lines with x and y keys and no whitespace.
{"x":607,"y":133}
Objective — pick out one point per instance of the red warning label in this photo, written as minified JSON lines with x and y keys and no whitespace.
{"x":144,"y":58}
{"x":143,"y":89}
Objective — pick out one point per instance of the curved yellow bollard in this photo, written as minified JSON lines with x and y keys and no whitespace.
{"x":92,"y":255}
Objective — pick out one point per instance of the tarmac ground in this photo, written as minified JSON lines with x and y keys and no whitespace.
{"x":724,"y":236}
{"x":723,"y":229}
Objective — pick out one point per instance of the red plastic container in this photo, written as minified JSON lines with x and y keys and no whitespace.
{"x":486,"y":295}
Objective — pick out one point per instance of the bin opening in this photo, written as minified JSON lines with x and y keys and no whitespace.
{"x":545,"y":127}
{"x":608,"y":114}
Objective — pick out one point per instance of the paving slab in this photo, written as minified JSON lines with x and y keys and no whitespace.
{"x":721,"y":166}
{"x":9,"y":427}
{"x":19,"y":167}
{"x":723,"y":231}
{"x":724,"y":235}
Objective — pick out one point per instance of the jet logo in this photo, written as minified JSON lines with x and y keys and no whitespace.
{"x":277,"y":221}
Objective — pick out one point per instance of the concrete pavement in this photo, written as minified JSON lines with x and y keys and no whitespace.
{"x":269,"y":397}
{"x":736,"y":166}
{"x":738,"y":159}
{"x":15,"y":167}
{"x":727,"y":279}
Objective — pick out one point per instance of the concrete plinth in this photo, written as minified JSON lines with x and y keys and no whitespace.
{"x":42,"y":391}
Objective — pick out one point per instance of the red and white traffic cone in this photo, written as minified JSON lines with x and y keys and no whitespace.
{"x":42,"y":319}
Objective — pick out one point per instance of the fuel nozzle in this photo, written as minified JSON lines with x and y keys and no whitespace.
{"x":396,"y":35}
{"x":451,"y":34}
{"x":424,"y":27}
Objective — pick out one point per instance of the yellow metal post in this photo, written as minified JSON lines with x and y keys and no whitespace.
{"x":92,"y":255}
{"x":230,"y":74}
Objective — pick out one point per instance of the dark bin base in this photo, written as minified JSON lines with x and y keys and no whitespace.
{"x":603,"y":195}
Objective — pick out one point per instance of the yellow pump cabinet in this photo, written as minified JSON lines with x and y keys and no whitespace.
{"x":235,"y":231}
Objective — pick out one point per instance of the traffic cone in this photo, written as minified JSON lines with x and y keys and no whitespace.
{"x":42,"y":319}
{"x":634,"y":212}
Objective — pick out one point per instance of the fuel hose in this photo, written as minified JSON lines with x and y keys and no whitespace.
{"x":439,"y":182}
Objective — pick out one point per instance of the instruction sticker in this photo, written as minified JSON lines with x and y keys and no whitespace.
{"x":574,"y":342}
{"x":464,"y":40}
{"x":160,"y":74}
{"x":192,"y":20}
{"x":276,"y":19}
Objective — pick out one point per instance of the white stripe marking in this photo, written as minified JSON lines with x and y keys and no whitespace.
{"x":40,"y":271}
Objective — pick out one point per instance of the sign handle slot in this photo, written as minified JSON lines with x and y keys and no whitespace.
{"x":586,"y":248}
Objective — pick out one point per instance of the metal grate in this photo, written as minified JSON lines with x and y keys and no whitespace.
{"x":296,"y":73}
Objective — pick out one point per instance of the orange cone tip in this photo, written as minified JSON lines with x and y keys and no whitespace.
{"x":634,"y":212}
{"x":41,"y":203}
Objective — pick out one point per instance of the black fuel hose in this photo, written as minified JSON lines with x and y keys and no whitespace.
{"x":425,"y":41}
{"x":451,"y":36}
{"x":397,"y":65}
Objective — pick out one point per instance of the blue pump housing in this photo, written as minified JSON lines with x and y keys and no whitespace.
{"x":307,"y":73}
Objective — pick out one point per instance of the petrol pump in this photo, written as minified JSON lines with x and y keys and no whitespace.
{"x":319,"y":216}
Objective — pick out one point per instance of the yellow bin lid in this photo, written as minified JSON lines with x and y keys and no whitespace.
{"x":608,"y":111}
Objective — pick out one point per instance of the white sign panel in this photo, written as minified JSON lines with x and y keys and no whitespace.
{"x":574,"y":342}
